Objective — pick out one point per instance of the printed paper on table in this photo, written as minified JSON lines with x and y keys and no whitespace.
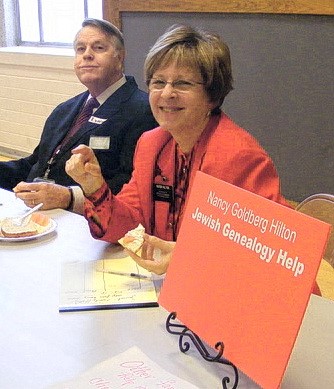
{"x":242,"y":273}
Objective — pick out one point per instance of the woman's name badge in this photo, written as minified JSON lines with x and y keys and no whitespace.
{"x":99,"y":142}
{"x":163,"y":193}
{"x":96,"y":120}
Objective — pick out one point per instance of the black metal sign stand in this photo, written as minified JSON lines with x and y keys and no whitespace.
{"x":183,"y":331}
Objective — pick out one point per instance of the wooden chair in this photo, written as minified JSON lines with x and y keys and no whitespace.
{"x":321,"y":206}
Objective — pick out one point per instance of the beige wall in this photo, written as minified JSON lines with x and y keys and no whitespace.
{"x":31,"y":85}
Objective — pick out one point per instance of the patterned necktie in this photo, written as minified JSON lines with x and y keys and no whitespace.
{"x":85,"y":113}
{"x":83,"y":117}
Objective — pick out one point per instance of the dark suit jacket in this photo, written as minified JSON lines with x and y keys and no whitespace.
{"x":128,"y":115}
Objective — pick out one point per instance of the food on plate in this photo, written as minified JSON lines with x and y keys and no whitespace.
{"x":133,"y":239}
{"x":41,"y":219}
{"x":36,"y":224}
{"x":11,"y":230}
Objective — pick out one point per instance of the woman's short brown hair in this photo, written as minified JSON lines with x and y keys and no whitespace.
{"x":196,"y":48}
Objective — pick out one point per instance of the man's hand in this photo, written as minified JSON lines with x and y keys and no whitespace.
{"x":84,"y":168}
{"x":155,"y":254}
{"x":51,"y":195}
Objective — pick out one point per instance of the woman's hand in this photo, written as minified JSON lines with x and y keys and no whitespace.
{"x":155,"y":254}
{"x":84,"y":168}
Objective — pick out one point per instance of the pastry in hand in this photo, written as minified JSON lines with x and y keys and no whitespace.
{"x":133,"y":239}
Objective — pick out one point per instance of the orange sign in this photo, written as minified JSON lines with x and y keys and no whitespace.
{"x":242,"y":273}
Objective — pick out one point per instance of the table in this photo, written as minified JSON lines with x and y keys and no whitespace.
{"x":40,"y":346}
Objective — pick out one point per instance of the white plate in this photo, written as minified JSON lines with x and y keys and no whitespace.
{"x":51,"y":228}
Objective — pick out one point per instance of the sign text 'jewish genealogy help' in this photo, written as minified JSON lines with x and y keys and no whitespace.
{"x":251,"y":242}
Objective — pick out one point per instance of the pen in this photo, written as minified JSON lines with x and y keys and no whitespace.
{"x":134,"y":275}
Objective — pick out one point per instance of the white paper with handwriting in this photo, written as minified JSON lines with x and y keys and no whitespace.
{"x":132,"y":370}
{"x":85,"y":285}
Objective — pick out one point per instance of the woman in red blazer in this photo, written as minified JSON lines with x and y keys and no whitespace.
{"x":188,"y":74}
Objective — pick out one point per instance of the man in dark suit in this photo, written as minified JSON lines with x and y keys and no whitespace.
{"x":112,"y":129}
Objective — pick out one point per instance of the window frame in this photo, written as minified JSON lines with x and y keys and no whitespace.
{"x":42,"y":42}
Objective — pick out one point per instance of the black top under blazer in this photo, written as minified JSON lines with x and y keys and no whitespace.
{"x":128,"y":115}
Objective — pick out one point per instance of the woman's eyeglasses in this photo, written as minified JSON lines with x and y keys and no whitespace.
{"x":155,"y":84}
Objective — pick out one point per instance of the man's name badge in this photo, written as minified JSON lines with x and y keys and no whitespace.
{"x":163,"y":193}
{"x":99,"y":142}
{"x":96,"y":120}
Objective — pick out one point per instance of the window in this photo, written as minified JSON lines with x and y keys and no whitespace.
{"x":53,"y":22}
